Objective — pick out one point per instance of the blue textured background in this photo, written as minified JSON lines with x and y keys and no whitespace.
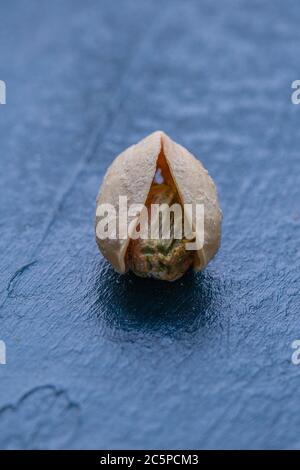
{"x":95,"y":359}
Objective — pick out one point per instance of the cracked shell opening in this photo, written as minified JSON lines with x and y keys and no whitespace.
{"x":164,"y":258}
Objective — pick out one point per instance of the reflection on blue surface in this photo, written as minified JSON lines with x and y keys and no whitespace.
{"x":99,"y":360}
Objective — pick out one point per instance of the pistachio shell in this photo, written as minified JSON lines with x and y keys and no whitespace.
{"x":132,"y":174}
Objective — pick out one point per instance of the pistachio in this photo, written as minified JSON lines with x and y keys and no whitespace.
{"x":182,"y":180}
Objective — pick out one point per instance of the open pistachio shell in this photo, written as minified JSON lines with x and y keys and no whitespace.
{"x":131,"y":174}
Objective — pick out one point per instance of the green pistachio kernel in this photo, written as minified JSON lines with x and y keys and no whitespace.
{"x":165,"y":259}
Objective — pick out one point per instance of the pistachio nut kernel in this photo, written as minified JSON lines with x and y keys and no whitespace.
{"x":183,"y":180}
{"x":160,"y":258}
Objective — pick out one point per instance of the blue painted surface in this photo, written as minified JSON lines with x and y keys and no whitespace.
{"x":95,"y":359}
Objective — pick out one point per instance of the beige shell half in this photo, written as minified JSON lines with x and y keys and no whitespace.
{"x":131,"y":174}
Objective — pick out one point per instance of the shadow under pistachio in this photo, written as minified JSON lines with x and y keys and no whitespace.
{"x":133,"y":304}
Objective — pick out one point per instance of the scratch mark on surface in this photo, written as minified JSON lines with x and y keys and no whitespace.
{"x":45,"y":416}
{"x":17,"y":275}
{"x":13,"y":281}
